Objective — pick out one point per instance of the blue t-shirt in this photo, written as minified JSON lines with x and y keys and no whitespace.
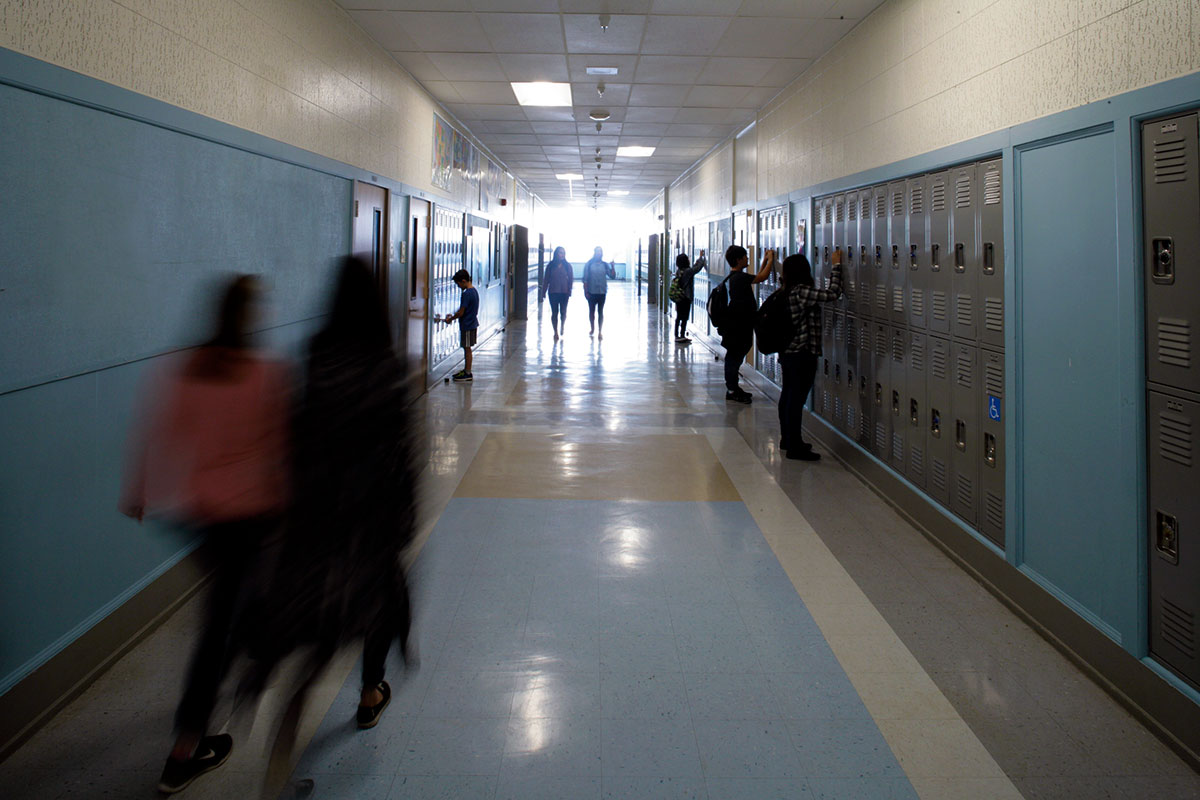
{"x":469,"y":320}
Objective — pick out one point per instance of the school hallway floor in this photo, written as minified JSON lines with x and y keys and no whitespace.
{"x":624,"y":591}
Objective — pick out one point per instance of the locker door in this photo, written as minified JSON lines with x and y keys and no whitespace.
{"x":916,"y":401}
{"x":827,"y":250}
{"x":839,"y":234}
{"x":939,"y":422}
{"x":853,"y":414}
{"x":882,"y":261}
{"x":991,"y":464}
{"x":941,"y":256}
{"x":898,"y":349}
{"x":821,"y":405}
{"x":991,"y":256}
{"x":866,"y":386}
{"x":866,"y":270}
{"x":838,"y":351}
{"x":850,"y":261}
{"x":1174,"y":511}
{"x":1171,"y":213}
{"x":965,"y":259}
{"x":818,"y":239}
{"x":897,"y":254}
{"x":882,"y":401}
{"x":917,"y":256}
{"x":966,"y":433}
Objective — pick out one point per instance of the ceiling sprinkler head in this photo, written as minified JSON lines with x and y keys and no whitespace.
{"x":598,"y":127}
{"x":600,"y":87}
{"x":605,"y":19}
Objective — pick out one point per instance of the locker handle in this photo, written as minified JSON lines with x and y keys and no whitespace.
{"x":862,"y":254}
{"x":935,"y":423}
{"x":825,"y":259}
{"x":895,"y":256}
{"x":849,"y":379}
{"x":960,"y":435}
{"x":878,"y":394}
{"x":960,"y":257}
{"x":879,"y":255}
{"x":1166,"y":537}
{"x":1163,"y":268}
{"x":895,"y":403}
{"x":989,"y":450}
{"x":989,"y":258}
{"x":837,"y":373}
{"x":937,"y":254}
{"x":912,"y":256}
{"x":826,"y":367}
{"x":914,"y":415}
{"x":862,"y":385}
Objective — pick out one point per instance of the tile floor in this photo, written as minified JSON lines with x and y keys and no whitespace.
{"x":623,"y":591}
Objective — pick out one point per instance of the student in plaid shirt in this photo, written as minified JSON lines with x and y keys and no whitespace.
{"x":799,"y":359}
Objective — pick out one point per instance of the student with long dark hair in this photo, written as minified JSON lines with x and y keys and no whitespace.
{"x":557,"y":282}
{"x":799,"y":358}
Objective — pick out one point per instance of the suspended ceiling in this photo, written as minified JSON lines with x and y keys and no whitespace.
{"x":690,"y":74}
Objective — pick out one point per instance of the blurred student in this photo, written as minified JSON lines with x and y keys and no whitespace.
{"x":557,"y":282}
{"x":212,"y":458}
{"x":683,"y":293}
{"x":468,"y":321}
{"x":596,"y":273}
{"x":737,"y":330}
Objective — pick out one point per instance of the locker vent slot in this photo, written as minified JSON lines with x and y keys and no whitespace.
{"x":898,"y":299}
{"x":851,"y":289}
{"x":991,"y":187}
{"x":938,"y":363}
{"x":918,"y":357}
{"x":1170,"y":161}
{"x":898,"y":448}
{"x":962,"y":375}
{"x":994,"y":510}
{"x":993,"y":379}
{"x":897,"y":204}
{"x":993,"y":314}
{"x":1178,"y":627}
{"x":937,"y":196}
{"x":880,"y":205}
{"x":916,"y":462}
{"x":966,"y":491}
{"x":962,"y":191}
{"x":939,"y":305}
{"x":828,"y":212}
{"x":1175,"y":342}
{"x":850,"y":419}
{"x":880,"y":435}
{"x":881,"y":296}
{"x":1175,"y":437}
{"x":965,"y":310}
{"x":898,"y":349}
{"x":918,"y":302}
{"x":837,"y":407}
{"x":917,"y":206}
{"x":841,"y":211}
{"x":852,"y":207}
{"x":851,"y":338}
{"x":881,"y":343}
{"x":938,"y":476}
{"x":865,"y":210}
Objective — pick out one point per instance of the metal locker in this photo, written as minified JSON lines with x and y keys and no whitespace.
{"x":991,"y":456}
{"x":1174,"y":519}
{"x":866,"y":269}
{"x":817,"y":400}
{"x":852,"y":414}
{"x":916,"y":257}
{"x":866,"y":386}
{"x":1171,"y":248}
{"x":964,"y":462}
{"x":991,"y":255}
{"x":941,"y":256}
{"x":836,"y":392}
{"x":879,"y":254}
{"x":881,"y":401}
{"x":839,"y":237}
{"x":939,"y":421}
{"x":818,"y":240}
{"x":897,"y":254}
{"x":898,"y":349}
{"x":850,"y":257}
{"x":915,"y":386}
{"x":827,"y":250}
{"x":964,"y":259}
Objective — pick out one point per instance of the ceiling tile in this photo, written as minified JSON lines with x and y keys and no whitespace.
{"x":466,"y":66}
{"x":560,"y":149}
{"x":386,"y":28}
{"x":518,"y":149}
{"x":812,"y":9}
{"x":650,"y":114}
{"x":444,"y":32}
{"x":611,"y":6}
{"x":784,"y":71}
{"x":683,"y":35}
{"x":567,"y":128}
{"x":669,"y":69}
{"x":586,"y":96}
{"x":487,"y":92}
{"x":658,"y":95}
{"x":419,"y":66}
{"x":773,"y":38}
{"x":408,"y":5}
{"x":853,"y":9}
{"x":513,"y":138}
{"x":736,"y":71}
{"x":510,"y":127}
{"x":821,"y":36}
{"x":534,"y":67}
{"x":509,"y":113}
{"x":578,"y":64}
{"x":548,"y":113}
{"x":727,"y":96}
{"x":710,"y":116}
{"x":444,"y":91}
{"x":720,"y":8}
{"x":606,"y":129}
{"x":557,"y":139}
{"x":524,"y":33}
{"x":624,"y":34}
{"x":711,"y":131}
{"x":644,"y":128}
{"x":615,"y":114}
{"x":523,"y":6}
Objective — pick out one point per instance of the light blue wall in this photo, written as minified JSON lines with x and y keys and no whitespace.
{"x":112,"y":231}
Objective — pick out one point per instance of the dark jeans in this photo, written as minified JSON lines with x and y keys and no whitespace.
{"x":683,"y":312}
{"x":735,"y":354}
{"x":232,"y":551}
{"x":595,"y":301}
{"x":390,"y":626}
{"x":558,"y":307}
{"x":799,"y":371}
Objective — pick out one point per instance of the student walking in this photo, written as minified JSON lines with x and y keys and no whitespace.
{"x":737,"y":329}
{"x":683,"y":292}
{"x":557,"y":282}
{"x":596,"y":273}
{"x":799,"y":358}
{"x":468,"y":321}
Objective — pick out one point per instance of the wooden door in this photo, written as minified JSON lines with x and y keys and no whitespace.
{"x":418,"y":289}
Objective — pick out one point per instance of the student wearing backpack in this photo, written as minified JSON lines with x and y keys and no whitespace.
{"x":799,"y":358}
{"x":683,"y":291}
{"x":737,"y":323}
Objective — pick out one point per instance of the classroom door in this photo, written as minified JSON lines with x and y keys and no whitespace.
{"x":418,"y":289}
{"x":370,"y":229}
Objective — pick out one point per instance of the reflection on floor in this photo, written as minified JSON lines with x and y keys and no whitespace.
{"x":625,"y":592}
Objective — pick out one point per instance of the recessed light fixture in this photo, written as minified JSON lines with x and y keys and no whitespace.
{"x":602,"y":70}
{"x":599,"y":114}
{"x":635,"y":151}
{"x":542,"y":93}
{"x":617,"y":192}
{"x":569,"y":176}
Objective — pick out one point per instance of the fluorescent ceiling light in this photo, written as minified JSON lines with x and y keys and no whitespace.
{"x":601,"y":70}
{"x":617,"y":192}
{"x":541,"y":93}
{"x":569,"y":176}
{"x":635,"y":151}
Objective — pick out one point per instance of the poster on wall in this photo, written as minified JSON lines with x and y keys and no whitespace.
{"x":460,"y":151}
{"x":443,"y":152}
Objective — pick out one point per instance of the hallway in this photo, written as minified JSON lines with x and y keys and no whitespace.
{"x":625,"y":592}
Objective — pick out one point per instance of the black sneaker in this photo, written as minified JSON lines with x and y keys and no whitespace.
{"x":368,"y":716}
{"x":462,"y":376}
{"x":211,"y":753}
{"x":740,"y":397}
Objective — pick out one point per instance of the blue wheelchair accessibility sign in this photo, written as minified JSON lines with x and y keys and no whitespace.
{"x":993,"y":408}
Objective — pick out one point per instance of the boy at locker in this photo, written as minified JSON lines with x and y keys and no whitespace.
{"x":468,"y":322}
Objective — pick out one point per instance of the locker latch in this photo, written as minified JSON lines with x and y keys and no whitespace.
{"x":1163,"y":269}
{"x":862,"y":385}
{"x":989,"y":258}
{"x":825,"y":259}
{"x":1166,"y":539}
{"x":826,"y":365}
{"x":879,"y":255}
{"x":849,"y":255}
{"x":960,"y":435}
{"x":912,"y":256}
{"x":914,"y":415}
{"x":879,"y":394}
{"x":936,"y":251}
{"x":895,"y":256}
{"x":862,"y":254}
{"x":935,"y":423}
{"x":849,"y":378}
{"x":989,"y":449}
{"x":960,"y":257}
{"x":837,"y":373}
{"x":895,"y":403}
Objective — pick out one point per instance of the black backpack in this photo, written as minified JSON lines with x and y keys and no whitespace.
{"x":718,"y":303}
{"x":773,"y":327}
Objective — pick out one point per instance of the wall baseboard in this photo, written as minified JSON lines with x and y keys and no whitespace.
{"x":1158,"y":705}
{"x":24,"y":709}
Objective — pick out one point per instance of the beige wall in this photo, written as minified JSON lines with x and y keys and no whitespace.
{"x":299,"y":71}
{"x":705,"y":190}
